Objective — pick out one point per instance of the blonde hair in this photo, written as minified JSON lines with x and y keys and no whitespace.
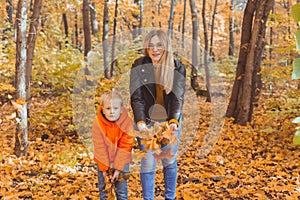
{"x":110,"y":95}
{"x":164,"y":73}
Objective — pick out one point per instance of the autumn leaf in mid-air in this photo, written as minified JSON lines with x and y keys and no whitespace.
{"x":167,"y":136}
{"x":138,"y":154}
{"x":163,"y":155}
{"x":150,"y":144}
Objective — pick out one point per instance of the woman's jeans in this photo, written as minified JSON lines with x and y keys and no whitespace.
{"x":148,"y":166}
{"x":121,"y":187}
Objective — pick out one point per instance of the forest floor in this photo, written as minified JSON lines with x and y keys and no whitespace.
{"x":258,"y":161}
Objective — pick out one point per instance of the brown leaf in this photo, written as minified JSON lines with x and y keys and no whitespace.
{"x":163,"y":155}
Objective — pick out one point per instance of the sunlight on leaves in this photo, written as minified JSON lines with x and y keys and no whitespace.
{"x":296,"y":139}
{"x":297,"y":38}
{"x":296,"y":120}
{"x":295,"y":12}
{"x":296,"y":71}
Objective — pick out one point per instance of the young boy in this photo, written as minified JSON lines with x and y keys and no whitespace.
{"x":112,"y":142}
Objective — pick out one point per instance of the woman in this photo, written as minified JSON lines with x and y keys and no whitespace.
{"x":157,"y":86}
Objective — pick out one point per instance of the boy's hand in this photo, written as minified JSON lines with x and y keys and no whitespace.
{"x":104,"y":174}
{"x":115,"y":176}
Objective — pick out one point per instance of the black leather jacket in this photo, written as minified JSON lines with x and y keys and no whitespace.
{"x":143,"y":90}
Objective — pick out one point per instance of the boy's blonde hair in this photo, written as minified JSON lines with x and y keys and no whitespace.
{"x":110,"y":95}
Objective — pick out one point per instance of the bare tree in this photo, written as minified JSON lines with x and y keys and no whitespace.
{"x":9,"y":10}
{"x":158,"y":11}
{"x":65,"y":21}
{"x":105,"y":41}
{"x":94,"y":23}
{"x":170,"y":26}
{"x":153,"y":13}
{"x":141,"y":4}
{"x":21,"y":135}
{"x":231,"y":30}
{"x":7,"y":30}
{"x":298,"y":1}
{"x":248,"y":81}
{"x":76,"y":31}
{"x":211,"y":54}
{"x":86,"y":27}
{"x":205,"y":53}
{"x":183,"y":22}
{"x":31,"y":40}
{"x":114,"y":39}
{"x":195,"y":25}
{"x":271,"y":36}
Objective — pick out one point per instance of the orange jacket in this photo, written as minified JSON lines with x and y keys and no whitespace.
{"x":112,"y":141}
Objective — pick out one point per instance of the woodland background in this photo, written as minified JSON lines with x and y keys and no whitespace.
{"x":256,"y":160}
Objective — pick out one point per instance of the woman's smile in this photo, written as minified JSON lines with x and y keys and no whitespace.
{"x":155,"y":49}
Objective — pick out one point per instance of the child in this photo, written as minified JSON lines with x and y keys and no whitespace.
{"x":112,"y":142}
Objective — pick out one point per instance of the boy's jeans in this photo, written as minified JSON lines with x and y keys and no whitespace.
{"x":148,"y":166}
{"x":121,"y":187}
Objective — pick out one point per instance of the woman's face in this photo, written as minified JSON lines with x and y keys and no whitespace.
{"x":155,"y":49}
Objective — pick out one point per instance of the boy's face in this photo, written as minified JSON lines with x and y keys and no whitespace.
{"x":112,"y":109}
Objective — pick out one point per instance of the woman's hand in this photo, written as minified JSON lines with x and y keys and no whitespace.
{"x":115,"y":176}
{"x":142,"y":127}
{"x":173,"y":127}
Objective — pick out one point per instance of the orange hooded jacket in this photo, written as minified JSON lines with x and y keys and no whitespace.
{"x":112,"y":141}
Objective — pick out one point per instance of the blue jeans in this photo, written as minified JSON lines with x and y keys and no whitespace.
{"x":148,"y":166}
{"x":121,"y":187}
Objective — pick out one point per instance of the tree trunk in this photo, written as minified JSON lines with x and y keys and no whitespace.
{"x":207,"y":73}
{"x":33,"y":30}
{"x":86,"y":27}
{"x":245,"y":40}
{"x":170,"y":26}
{"x":211,"y":54}
{"x":298,"y":1}
{"x":9,"y":10}
{"x":21,"y":135}
{"x":183,"y":23}
{"x":105,"y":41}
{"x":94,"y":23}
{"x":248,"y":80}
{"x":158,"y":11}
{"x":231,"y":30}
{"x":271,"y":38}
{"x":114,"y":39}
{"x":31,"y":6}
{"x":153,"y":13}
{"x":64,"y":16}
{"x":7,"y":30}
{"x":76,"y":31}
{"x":195,"y":25}
{"x":141,"y":3}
